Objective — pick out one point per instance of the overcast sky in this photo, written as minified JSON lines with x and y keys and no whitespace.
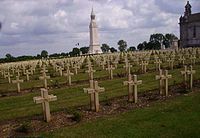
{"x":30,"y":26}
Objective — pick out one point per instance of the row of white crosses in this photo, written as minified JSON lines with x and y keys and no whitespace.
{"x":45,"y":98}
{"x":93,"y":89}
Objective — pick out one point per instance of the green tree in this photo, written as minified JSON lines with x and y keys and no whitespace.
{"x":105,"y":48}
{"x":75,"y":51}
{"x":112,"y":49}
{"x":153,"y":45}
{"x":84,"y":50}
{"x":9,"y":56}
{"x":44,"y":54}
{"x":122,"y":45}
{"x":132,"y":48}
{"x":168,"y":39}
{"x":142,"y":46}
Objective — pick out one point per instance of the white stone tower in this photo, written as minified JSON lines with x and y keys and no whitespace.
{"x":94,"y":47}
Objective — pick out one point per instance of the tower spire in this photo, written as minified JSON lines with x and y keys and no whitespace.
{"x":92,"y":14}
{"x":94,"y":47}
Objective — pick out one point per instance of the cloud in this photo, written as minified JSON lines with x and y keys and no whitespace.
{"x":29,"y":26}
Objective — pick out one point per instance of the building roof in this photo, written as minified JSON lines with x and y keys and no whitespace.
{"x":194,"y":17}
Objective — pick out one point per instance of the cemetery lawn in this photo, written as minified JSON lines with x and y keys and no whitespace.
{"x":177,"y":117}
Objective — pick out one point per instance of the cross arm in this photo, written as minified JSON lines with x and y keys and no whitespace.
{"x":52,"y":97}
{"x":38,"y":99}
{"x":88,"y":90}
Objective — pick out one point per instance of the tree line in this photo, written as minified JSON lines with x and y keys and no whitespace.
{"x":156,"y":41}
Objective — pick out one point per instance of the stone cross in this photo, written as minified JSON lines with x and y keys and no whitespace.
{"x":166,"y":77}
{"x":158,"y":62}
{"x":23,"y":68}
{"x":160,"y":77}
{"x":69,"y":78}
{"x":144,"y":66}
{"x":193,"y":59}
{"x":110,"y":71}
{"x":184,"y":73}
{"x":18,"y":71}
{"x":61,"y":70}
{"x":115,"y":63}
{"x":18,"y":81}
{"x":96,"y":90}
{"x":132,"y":83}
{"x":92,"y":96}
{"x":129,"y":68}
{"x":90,"y":71}
{"x":44,"y":77}
{"x":126,"y":64}
{"x":190,"y":73}
{"x":182,"y":60}
{"x":44,"y":69}
{"x":8,"y":76}
{"x":76,"y":67}
{"x":27,"y":73}
{"x":32,"y":69}
{"x":44,"y":99}
{"x":103,"y":65}
{"x":13,"y":70}
{"x":171,"y":63}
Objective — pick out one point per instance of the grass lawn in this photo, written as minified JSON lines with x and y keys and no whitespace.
{"x":23,"y":106}
{"x":179,"y":117}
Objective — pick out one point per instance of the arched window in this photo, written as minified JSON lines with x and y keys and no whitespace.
{"x":194,"y":32}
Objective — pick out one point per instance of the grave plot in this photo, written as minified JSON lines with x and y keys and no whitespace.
{"x":150,"y":79}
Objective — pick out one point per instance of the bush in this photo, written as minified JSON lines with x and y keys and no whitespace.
{"x":77,"y":116}
{"x":24,"y":128}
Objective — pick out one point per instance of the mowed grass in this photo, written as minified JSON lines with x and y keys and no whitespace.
{"x":179,"y":117}
{"x":70,"y":97}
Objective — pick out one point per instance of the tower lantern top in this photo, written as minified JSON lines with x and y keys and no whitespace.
{"x":188,"y":10}
{"x":92,"y":15}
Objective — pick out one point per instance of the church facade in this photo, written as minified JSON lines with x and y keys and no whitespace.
{"x":189,"y":28}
